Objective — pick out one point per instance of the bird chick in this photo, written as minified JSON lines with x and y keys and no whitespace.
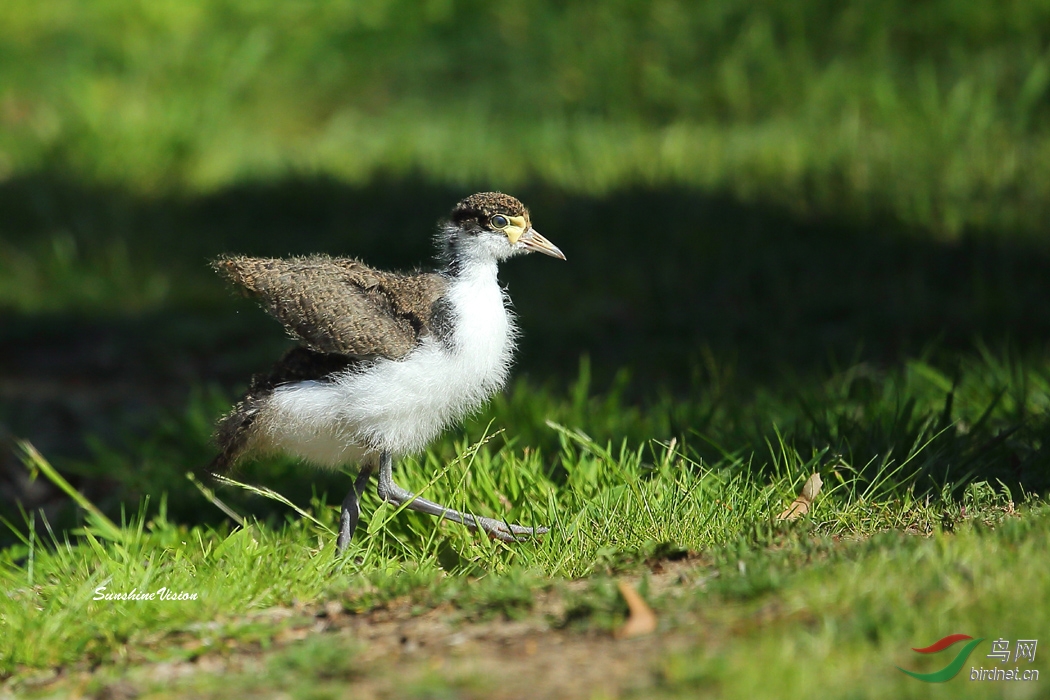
{"x":385,"y":361}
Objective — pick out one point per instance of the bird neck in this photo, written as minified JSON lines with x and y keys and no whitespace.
{"x":473,"y":270}
{"x":465,"y":258}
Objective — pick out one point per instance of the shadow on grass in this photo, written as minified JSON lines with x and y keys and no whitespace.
{"x":674,"y":285}
{"x":653,"y":277}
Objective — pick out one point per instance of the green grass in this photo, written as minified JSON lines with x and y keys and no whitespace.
{"x":934,"y":115}
{"x":802,"y":237}
{"x":817,"y":616}
{"x":664,"y":284}
{"x":846,"y":612}
{"x":920,"y":531}
{"x":919,"y":428}
{"x":837,"y":628}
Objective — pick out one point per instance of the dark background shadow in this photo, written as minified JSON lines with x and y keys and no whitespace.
{"x":664,"y":282}
{"x":653,"y":277}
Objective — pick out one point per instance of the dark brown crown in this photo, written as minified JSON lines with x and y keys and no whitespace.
{"x":483,"y":205}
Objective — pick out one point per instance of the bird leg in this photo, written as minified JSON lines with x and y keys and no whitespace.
{"x":351,"y":510}
{"x":397,"y":496}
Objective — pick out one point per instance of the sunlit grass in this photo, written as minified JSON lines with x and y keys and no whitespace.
{"x":931,"y":115}
{"x":137,"y":139}
{"x":916,"y":456}
{"x":854,"y":606}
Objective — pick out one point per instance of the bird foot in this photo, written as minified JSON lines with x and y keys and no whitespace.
{"x":496,"y":529}
{"x":351,"y":512}
{"x":505,"y":532}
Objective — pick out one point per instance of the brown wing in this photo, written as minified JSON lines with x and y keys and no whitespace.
{"x":340,"y":305}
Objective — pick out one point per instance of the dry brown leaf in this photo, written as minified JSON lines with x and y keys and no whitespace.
{"x":811,"y":489}
{"x":641,"y":620}
{"x":800,"y":506}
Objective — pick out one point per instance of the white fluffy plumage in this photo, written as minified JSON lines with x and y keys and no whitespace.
{"x":401,"y":405}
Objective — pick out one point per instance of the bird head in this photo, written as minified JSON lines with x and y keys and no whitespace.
{"x":495,"y":225}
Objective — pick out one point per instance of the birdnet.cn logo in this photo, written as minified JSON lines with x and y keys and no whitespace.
{"x":1021,"y":656}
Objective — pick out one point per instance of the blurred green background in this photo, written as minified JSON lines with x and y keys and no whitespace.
{"x":750,"y":194}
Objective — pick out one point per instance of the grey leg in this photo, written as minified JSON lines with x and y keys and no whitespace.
{"x":394,"y":494}
{"x":352,"y":510}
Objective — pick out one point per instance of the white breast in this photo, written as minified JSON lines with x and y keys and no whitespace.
{"x":401,"y":405}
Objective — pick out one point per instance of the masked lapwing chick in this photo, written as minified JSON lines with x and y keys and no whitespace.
{"x":385,"y":360}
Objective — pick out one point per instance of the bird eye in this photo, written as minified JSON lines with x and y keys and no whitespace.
{"x":498,"y":221}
